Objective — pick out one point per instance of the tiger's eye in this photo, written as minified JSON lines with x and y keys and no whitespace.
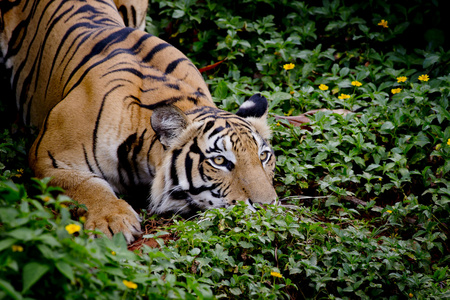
{"x":219,"y":160}
{"x":263,"y":156}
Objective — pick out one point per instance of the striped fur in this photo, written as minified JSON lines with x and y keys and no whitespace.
{"x":133,"y":13}
{"x":120,"y":111}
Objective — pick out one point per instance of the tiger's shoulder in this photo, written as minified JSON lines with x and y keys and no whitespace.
{"x":120,"y":111}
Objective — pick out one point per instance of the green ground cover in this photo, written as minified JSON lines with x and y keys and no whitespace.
{"x":378,"y":225}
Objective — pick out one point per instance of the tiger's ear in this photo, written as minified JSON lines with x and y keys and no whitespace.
{"x":256,"y":106}
{"x":168,"y":122}
{"x":255,"y":111}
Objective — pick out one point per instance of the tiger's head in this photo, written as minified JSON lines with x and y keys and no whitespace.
{"x":213,"y":158}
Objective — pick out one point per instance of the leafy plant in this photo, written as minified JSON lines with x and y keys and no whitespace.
{"x":368,"y":190}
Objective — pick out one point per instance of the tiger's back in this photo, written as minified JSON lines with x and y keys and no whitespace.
{"x":74,"y":39}
{"x":114,"y":105}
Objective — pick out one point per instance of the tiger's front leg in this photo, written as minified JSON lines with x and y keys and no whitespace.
{"x":104,"y":210}
{"x":64,"y":151}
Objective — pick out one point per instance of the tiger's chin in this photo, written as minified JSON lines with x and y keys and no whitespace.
{"x":179,"y":202}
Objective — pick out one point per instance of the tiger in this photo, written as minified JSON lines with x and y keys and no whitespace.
{"x":119,"y":112}
{"x":133,"y":13}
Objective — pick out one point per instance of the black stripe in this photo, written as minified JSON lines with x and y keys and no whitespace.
{"x":43,"y":131}
{"x":13,"y":49}
{"x":62,"y":42}
{"x":97,"y":122}
{"x":216,"y":131}
{"x":84,"y":35}
{"x":155,"y":50}
{"x":192,"y":99}
{"x":208,"y":126}
{"x":153,"y":142}
{"x":132,"y":70}
{"x":215,"y":148}
{"x":123,"y":161}
{"x":123,"y":10}
{"x":101,"y":46}
{"x":133,"y":14}
{"x":54,"y":164}
{"x":172,"y":86}
{"x":173,"y":168}
{"x":86,"y":159}
{"x":136,"y":151}
{"x":189,"y":166}
{"x":171,"y":67}
{"x":20,"y":31}
{"x":90,"y":13}
{"x":160,"y":103}
{"x":133,"y":50}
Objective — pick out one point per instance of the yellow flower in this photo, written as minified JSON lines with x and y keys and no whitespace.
{"x":289,"y":66}
{"x":343,"y":96}
{"x":424,"y":77}
{"x":323,"y":87}
{"x":356,"y":83}
{"x":290,"y":112}
{"x":46,"y":199}
{"x":389,"y":211}
{"x":448,"y":142}
{"x":291,"y":92}
{"x":383,"y":23}
{"x":401,"y":79}
{"x":17,"y":248}
{"x":113,"y":252}
{"x":19,"y":173}
{"x":410,"y":295}
{"x":396,"y":91}
{"x":129,"y":284}
{"x":276,"y":274}
{"x":72,"y":228}
{"x":82,"y":219}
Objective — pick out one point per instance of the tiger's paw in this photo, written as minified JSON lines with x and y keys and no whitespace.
{"x":114,"y":219}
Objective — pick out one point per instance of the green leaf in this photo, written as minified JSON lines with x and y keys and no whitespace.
{"x":8,"y":214}
{"x":236,"y":291}
{"x":9,"y":290}
{"x":194,"y":251}
{"x":25,"y":234}
{"x":32,"y":272}
{"x":372,"y":167}
{"x":430,"y":59}
{"x":321,"y":156}
{"x":6,"y":243}
{"x":422,"y":139}
{"x":221,"y":91}
{"x":65,"y":269}
{"x":49,"y":239}
{"x":387,"y":126}
{"x":307,"y":69}
{"x":278,"y":96}
{"x":113,"y":271}
{"x":178,"y":14}
{"x":244,"y":244}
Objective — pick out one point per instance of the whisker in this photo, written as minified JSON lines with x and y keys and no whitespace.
{"x":300,"y":197}
{"x":180,"y":209}
{"x":192,"y":217}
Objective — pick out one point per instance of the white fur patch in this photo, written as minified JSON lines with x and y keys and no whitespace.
{"x":226,"y":146}
{"x":247,"y":105}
